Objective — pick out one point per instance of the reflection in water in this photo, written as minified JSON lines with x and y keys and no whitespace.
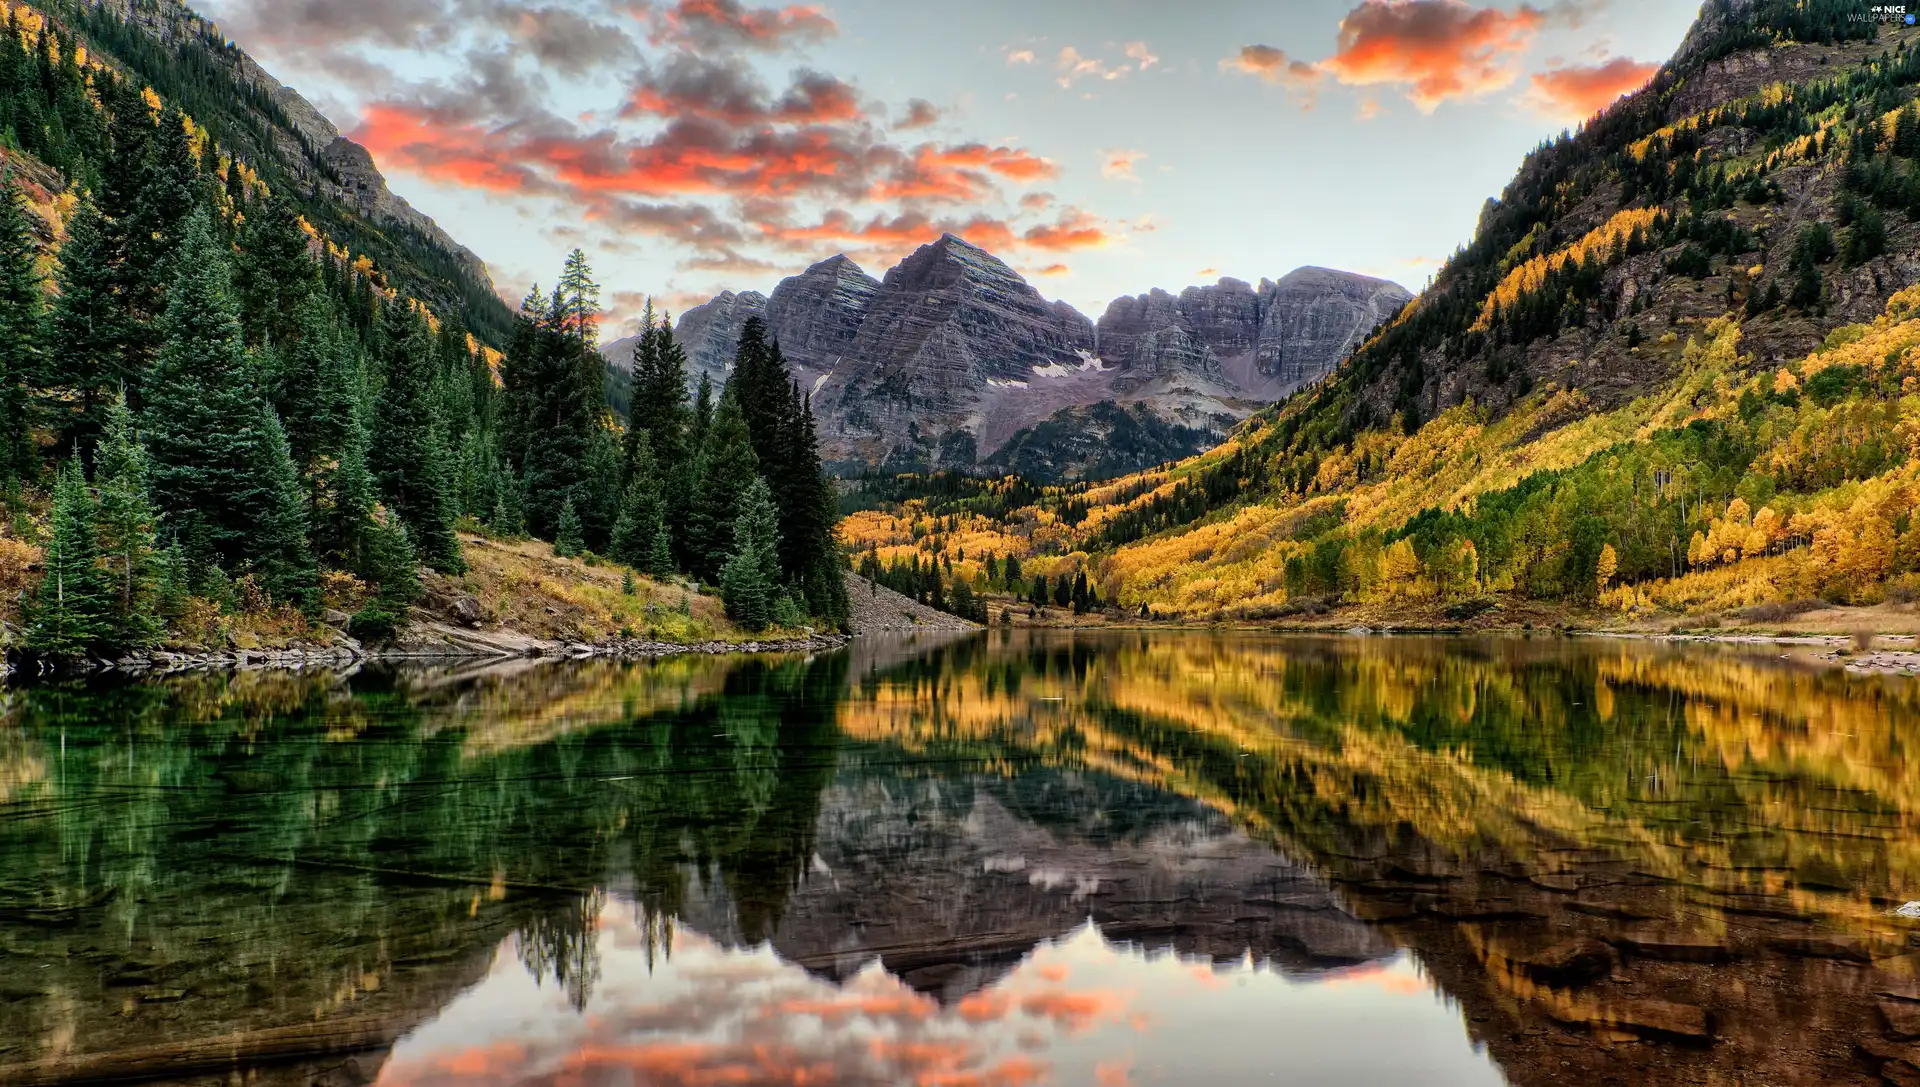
{"x":1010,"y":859}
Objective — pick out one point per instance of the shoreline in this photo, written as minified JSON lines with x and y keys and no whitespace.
{"x":351,"y":654}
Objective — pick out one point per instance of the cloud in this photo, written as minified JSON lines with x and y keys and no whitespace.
{"x":959,"y":174}
{"x":1119,"y":162}
{"x":719,"y":25}
{"x":1369,"y":109}
{"x":1055,"y":270}
{"x":1437,"y":49}
{"x":1019,"y":56}
{"x":1274,"y":66}
{"x":1071,"y":65}
{"x":566,"y":41}
{"x":1577,"y":92}
{"x":1072,"y":229}
{"x":920,"y":114}
{"x":728,"y":91}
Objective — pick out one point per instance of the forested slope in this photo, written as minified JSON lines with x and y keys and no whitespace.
{"x":1673,"y":369}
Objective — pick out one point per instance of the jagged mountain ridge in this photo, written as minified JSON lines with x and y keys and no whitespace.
{"x":953,"y":359}
{"x":1671,"y":372}
{"x":292,"y":146}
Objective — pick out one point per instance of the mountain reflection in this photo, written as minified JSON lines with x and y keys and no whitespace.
{"x":998,"y":860}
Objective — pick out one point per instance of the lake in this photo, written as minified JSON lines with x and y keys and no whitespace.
{"x":1018,"y":858}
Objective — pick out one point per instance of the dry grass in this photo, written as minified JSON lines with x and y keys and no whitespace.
{"x":523,"y":586}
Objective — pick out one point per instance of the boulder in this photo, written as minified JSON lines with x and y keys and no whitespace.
{"x":466,"y":610}
{"x":1572,"y":962}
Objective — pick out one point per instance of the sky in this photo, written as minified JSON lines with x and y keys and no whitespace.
{"x":1100,"y":147}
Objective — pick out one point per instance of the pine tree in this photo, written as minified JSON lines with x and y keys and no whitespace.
{"x":750,"y":579}
{"x":567,"y":538}
{"x":410,"y":459}
{"x":68,"y":614}
{"x":599,"y":494}
{"x":85,"y":358}
{"x":560,"y":394}
{"x":220,"y":469}
{"x":344,"y":502}
{"x":278,"y":543}
{"x":642,"y":512}
{"x":1906,"y":132}
{"x":124,"y":533}
{"x":727,"y":467}
{"x":274,"y":277}
{"x":316,"y":386}
{"x":22,"y":330}
{"x":660,"y":554}
{"x":393,"y":567}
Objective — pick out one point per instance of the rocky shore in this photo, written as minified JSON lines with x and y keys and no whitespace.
{"x":429,"y":642}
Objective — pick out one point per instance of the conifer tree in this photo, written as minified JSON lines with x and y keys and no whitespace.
{"x":567,"y":539}
{"x":85,"y":359}
{"x":598,"y":495}
{"x":393,"y":567}
{"x":657,"y":390}
{"x":750,"y":579}
{"x":660,"y":554}
{"x":125,"y":522}
{"x":344,"y":501}
{"x":727,"y":468}
{"x":220,"y":469}
{"x":67,"y":615}
{"x":642,"y":512}
{"x":315,"y":386}
{"x":410,"y":459}
{"x":273,"y":275}
{"x":22,"y":329}
{"x":278,"y":543}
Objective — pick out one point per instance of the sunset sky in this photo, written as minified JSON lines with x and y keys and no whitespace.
{"x":1101,"y":148}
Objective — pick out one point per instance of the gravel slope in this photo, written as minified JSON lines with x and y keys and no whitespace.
{"x":877,"y":608}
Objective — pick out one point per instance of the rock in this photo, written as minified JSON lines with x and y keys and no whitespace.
{"x":953,"y":355}
{"x":1902,"y":1073}
{"x":1570,"y":962}
{"x":334,"y":617}
{"x":710,"y":334}
{"x":1903,"y":1019}
{"x":466,"y":610}
{"x":816,"y":315}
{"x":1910,"y":910}
{"x":1651,"y":1018}
{"x":945,"y":322}
{"x":1843,"y":948}
{"x":1673,"y":946}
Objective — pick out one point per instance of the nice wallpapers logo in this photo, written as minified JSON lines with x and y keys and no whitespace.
{"x":1885,"y":13}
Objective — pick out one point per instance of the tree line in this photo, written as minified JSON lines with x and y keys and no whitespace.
{"x":200,"y":387}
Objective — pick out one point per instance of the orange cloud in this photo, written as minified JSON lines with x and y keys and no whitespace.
{"x":1438,"y":49}
{"x":958,"y":174}
{"x":1074,"y":1011}
{"x":1055,"y":270}
{"x":1272,"y":65}
{"x":722,"y":23}
{"x":1119,"y":164}
{"x":1074,"y":230}
{"x":1576,"y":92}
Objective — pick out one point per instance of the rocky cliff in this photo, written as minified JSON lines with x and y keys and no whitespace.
{"x":292,"y":145}
{"x":954,"y":360}
{"x":1268,"y":342}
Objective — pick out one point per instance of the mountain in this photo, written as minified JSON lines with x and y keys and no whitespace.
{"x":1671,"y":373}
{"x":283,"y":139}
{"x":954,"y":360}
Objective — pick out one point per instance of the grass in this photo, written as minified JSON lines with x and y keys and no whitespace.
{"x":523,"y":586}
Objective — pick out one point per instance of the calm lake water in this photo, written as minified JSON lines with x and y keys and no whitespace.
{"x":1015,"y":859}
